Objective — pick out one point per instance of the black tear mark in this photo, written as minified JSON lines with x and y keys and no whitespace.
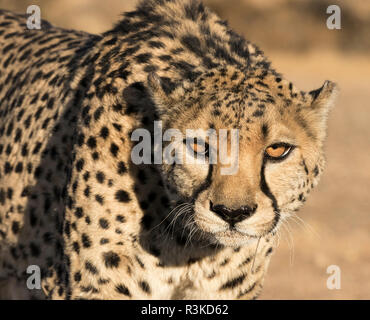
{"x":205,"y":185}
{"x":266,"y":190}
{"x":265,"y":130}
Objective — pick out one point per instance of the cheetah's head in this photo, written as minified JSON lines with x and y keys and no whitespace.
{"x":280,"y":151}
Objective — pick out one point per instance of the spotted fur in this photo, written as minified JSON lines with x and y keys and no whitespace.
{"x":100,"y":227}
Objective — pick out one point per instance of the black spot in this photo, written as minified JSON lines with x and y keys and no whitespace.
{"x":2,"y":196}
{"x":80,"y":139}
{"x":79,"y":212}
{"x":123,"y":290}
{"x":305,"y":167}
{"x":150,"y":69}
{"x":242,"y":293}
{"x":156,"y":44}
{"x":143,"y":58}
{"x":91,"y":142}
{"x":165,"y":57}
{"x":86,"y":242}
{"x":120,"y":218}
{"x":7,"y":168}
{"x":60,"y":291}
{"x":233,"y":282}
{"x":145,"y":286}
{"x":38,"y":172}
{"x":141,"y":264}
{"x":86,"y":176}
{"x":99,"y":199}
{"x":24,"y":150}
{"x":77,"y":276}
{"x":50,"y":103}
{"x":47,"y":237}
{"x":269,"y":251}
{"x":15,"y":227}
{"x":118,"y":107}
{"x":76,"y":247}
{"x":103,"y":281}
{"x":104,"y":133}
{"x":122,"y":196}
{"x":225,"y":262}
{"x":89,"y":288}
{"x":316,"y":171}
{"x":104,"y":224}
{"x":110,"y":42}
{"x":18,"y":135}
{"x":10,"y":193}
{"x":104,"y":241}
{"x":262,"y":84}
{"x":193,"y":44}
{"x":121,"y":168}
{"x":168,"y":85}
{"x":257,"y":113}
{"x":33,"y":218}
{"x":87,"y":192}
{"x":98,"y":112}
{"x":80,"y":164}
{"x":111,"y":259}
{"x":37,"y":148}
{"x":117,"y":126}
{"x":114,"y":149}
{"x":90,"y":267}
{"x":100,"y":177}
{"x":67,"y":229}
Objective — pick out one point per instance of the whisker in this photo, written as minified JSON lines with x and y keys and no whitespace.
{"x":181,"y":214}
{"x":307,"y":226}
{"x":177,"y":215}
{"x":290,"y":243}
{"x":255,"y":254}
{"x":180,"y":205}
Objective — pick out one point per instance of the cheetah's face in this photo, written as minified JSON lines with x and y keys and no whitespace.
{"x":280,"y":155}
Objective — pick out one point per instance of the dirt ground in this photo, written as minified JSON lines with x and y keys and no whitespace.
{"x":337,"y":214}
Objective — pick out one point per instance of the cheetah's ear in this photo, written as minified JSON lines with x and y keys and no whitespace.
{"x":321,"y":102}
{"x":165,"y":92}
{"x":322,"y":99}
{"x":157,"y":89}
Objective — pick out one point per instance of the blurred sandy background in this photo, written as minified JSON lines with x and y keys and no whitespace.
{"x":294,"y":36}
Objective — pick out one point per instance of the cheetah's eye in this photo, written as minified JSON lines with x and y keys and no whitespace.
{"x":278,"y":151}
{"x":200,"y":148}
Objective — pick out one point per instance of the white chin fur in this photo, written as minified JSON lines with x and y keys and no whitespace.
{"x":234,"y":239}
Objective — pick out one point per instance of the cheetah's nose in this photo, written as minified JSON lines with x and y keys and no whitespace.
{"x":233,"y":216}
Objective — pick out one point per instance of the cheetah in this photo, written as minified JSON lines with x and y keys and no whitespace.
{"x":99,"y":226}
